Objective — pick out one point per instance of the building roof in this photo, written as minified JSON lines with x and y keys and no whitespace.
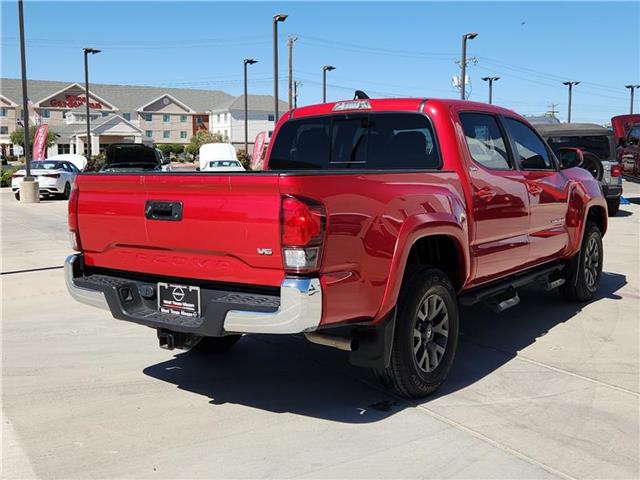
{"x":127,"y":98}
{"x":260,"y":103}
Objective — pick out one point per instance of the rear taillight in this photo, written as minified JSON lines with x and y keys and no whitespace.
{"x":303,"y":228}
{"x":17,"y":175}
{"x":616,"y":170}
{"x":74,"y":236}
{"x":51,"y":175}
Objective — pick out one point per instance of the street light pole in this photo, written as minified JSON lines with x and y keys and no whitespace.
{"x":463,"y":62}
{"x":570,"y":84}
{"x":325,"y":69}
{"x":296,"y":84}
{"x":25,"y":98}
{"x":88,"y":51}
{"x":280,"y":17}
{"x":247,"y":61}
{"x":631,"y":88}
{"x":490,"y":80}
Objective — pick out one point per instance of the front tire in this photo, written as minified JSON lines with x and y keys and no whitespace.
{"x":425,"y":337}
{"x":67,"y":191}
{"x":17,"y":195}
{"x":585,"y":269}
{"x":613,"y":205}
{"x":214,"y":345}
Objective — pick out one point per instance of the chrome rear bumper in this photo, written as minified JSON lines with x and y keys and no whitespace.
{"x":300,"y":308}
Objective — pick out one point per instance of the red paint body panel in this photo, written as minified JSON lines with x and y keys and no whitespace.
{"x":372,"y":218}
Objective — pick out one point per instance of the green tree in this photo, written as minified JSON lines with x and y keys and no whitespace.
{"x":17,"y":137}
{"x":243,"y":156}
{"x":200,"y":138}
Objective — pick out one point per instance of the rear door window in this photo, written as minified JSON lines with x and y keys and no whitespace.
{"x":377,"y":141}
{"x":485,"y":141}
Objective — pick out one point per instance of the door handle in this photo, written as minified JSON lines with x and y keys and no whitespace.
{"x":534,"y":189}
{"x":486,"y":194}
{"x":171,"y":211}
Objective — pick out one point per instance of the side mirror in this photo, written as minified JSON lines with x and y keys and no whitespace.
{"x":570,"y":157}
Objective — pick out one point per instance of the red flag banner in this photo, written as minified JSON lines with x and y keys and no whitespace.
{"x":40,"y":142}
{"x":258,"y":146}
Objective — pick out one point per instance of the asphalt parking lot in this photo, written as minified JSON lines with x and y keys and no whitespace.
{"x":548,"y":389}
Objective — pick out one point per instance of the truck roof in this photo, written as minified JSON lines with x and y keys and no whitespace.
{"x":390,"y":104}
{"x":573,"y":129}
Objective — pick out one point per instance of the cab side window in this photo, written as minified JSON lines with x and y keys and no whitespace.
{"x":485,"y":141}
{"x":530,"y":150}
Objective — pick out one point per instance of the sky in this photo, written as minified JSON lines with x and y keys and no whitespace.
{"x":384,"y":48}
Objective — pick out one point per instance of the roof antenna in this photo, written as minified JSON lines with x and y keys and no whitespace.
{"x":360,"y":95}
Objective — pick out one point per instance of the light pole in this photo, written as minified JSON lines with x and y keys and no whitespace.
{"x":246,"y":61}
{"x":325,"y":69}
{"x":631,"y":88}
{"x":490,"y":80}
{"x":463,"y":61}
{"x":88,"y":51}
{"x":25,"y":98}
{"x":280,"y":17}
{"x":570,"y":84}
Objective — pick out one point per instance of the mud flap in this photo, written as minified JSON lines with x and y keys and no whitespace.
{"x":374,"y":344}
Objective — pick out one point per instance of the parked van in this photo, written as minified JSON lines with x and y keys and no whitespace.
{"x":214,"y":156}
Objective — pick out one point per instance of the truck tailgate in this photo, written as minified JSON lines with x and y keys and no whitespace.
{"x":229,"y":230}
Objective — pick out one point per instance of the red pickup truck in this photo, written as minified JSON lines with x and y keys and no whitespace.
{"x":371,"y":222}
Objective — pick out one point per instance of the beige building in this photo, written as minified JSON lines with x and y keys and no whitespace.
{"x":128,"y":113}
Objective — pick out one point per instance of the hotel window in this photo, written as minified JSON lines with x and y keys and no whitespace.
{"x":3,"y":112}
{"x":64,"y":114}
{"x":4,"y":130}
{"x":218,"y":118}
{"x":225,"y":117}
{"x":183,"y":134}
{"x":270,"y":117}
{"x":64,"y":148}
{"x":183,"y":119}
{"x":148,"y":117}
{"x":148,"y":133}
{"x":45,"y":113}
{"x":126,"y":116}
{"x":166,"y":118}
{"x":166,"y":134}
{"x":226,"y":134}
{"x":104,"y":114}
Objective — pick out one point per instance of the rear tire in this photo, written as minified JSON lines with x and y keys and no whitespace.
{"x":425,"y":337}
{"x":67,"y":191}
{"x":585,"y":269}
{"x":613,"y":205}
{"x":214,"y":345}
{"x":17,"y":195}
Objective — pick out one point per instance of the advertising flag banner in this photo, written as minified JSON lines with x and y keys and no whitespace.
{"x":40,"y":142}
{"x":258,"y":147}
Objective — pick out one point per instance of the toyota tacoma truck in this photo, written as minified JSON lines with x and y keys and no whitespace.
{"x":371,"y":222}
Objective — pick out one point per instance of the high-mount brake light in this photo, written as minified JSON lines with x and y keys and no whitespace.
{"x":352,"y":105}
{"x":303,"y":228}
{"x":74,"y":235}
{"x":616,"y":170}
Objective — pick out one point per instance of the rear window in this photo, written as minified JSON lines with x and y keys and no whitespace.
{"x":223,"y":163}
{"x":596,"y":144}
{"x":39,"y":165}
{"x":377,"y":141}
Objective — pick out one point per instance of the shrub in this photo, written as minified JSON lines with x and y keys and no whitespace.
{"x":244,"y":159}
{"x":5,"y":180}
{"x":95,"y":163}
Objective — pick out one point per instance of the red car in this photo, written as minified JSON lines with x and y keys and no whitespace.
{"x":372,"y":221}
{"x":626,"y":128}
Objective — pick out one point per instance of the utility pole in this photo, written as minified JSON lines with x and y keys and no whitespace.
{"x":631,"y":88}
{"x":296,"y":85}
{"x":280,"y":17}
{"x":570,"y":84}
{"x":290,"y":43}
{"x":463,"y":61}
{"x":490,"y":80}
{"x":552,"y":110}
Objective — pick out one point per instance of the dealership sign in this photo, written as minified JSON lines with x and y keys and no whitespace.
{"x":74,"y":101}
{"x":40,"y":142}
